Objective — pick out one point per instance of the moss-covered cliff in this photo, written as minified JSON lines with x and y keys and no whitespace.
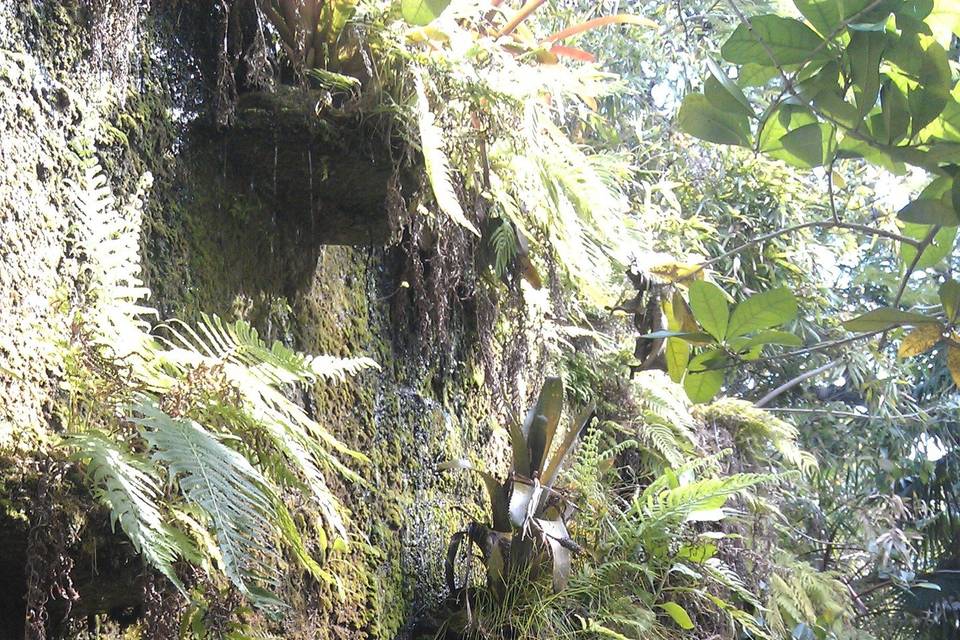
{"x":133,"y":88}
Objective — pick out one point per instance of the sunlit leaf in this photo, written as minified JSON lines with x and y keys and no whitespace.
{"x":887,"y":318}
{"x":788,"y":40}
{"x":920,"y":340}
{"x":678,"y":613}
{"x":763,"y":311}
{"x":709,"y":305}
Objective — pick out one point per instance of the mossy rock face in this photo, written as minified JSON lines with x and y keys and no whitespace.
{"x":226,"y":232}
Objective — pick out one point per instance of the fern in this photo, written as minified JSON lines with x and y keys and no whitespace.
{"x":233,"y":494}
{"x":253,"y":439}
{"x":126,"y":485}
{"x":506,"y":247}
{"x":664,"y":422}
{"x":753,"y":429}
{"x":435,"y":160}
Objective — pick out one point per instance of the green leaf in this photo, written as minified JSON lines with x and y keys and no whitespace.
{"x":699,"y":118}
{"x":895,"y":113}
{"x":677,"y":355}
{"x":763,"y":311}
{"x":787,"y":39}
{"x":864,"y":52}
{"x":541,"y":422}
{"x":422,"y":12}
{"x":930,"y":98}
{"x":692,"y":336}
{"x":886,"y":318}
{"x":937,"y":250}
{"x":777,"y":124}
{"x":435,"y":161}
{"x":755,"y":75}
{"x":678,"y":614}
{"x":824,"y":15}
{"x":929,"y":212}
{"x":724,"y":94}
{"x":950,"y":298}
{"x":709,"y":305}
{"x":702,"y":383}
{"x":766,"y":337}
{"x":809,"y":146}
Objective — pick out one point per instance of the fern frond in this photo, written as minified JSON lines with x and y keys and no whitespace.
{"x":127,"y":485}
{"x":753,"y":429}
{"x":435,"y":160}
{"x":505,"y":247}
{"x":234,"y":495}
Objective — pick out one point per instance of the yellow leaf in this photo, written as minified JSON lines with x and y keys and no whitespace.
{"x":953,"y":364}
{"x":920,"y":340}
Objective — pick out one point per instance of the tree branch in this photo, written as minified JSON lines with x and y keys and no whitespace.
{"x":816,"y":224}
{"x":789,"y":384}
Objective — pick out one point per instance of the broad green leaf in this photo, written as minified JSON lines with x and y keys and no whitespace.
{"x":944,"y":21}
{"x":709,"y":305}
{"x":886,"y":318}
{"x":809,"y":146}
{"x":787,"y":39}
{"x":762,"y":311}
{"x":937,"y":250}
{"x":422,"y":12}
{"x":930,"y":98}
{"x":699,"y":118}
{"x":895,"y":113}
{"x":723,"y":93}
{"x":950,"y":299}
{"x":865,"y":51}
{"x":678,"y":613}
{"x":691,"y":336}
{"x":755,"y":75}
{"x":920,"y":340}
{"x":767,"y":337}
{"x":677,"y":355}
{"x":837,"y":109}
{"x":824,"y":15}
{"x":702,"y":383}
{"x":929,"y":212}
{"x":779,"y":122}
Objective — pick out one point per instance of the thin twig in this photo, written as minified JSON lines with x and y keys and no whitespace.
{"x":816,"y":224}
{"x":790,"y":384}
{"x":845,"y":414}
